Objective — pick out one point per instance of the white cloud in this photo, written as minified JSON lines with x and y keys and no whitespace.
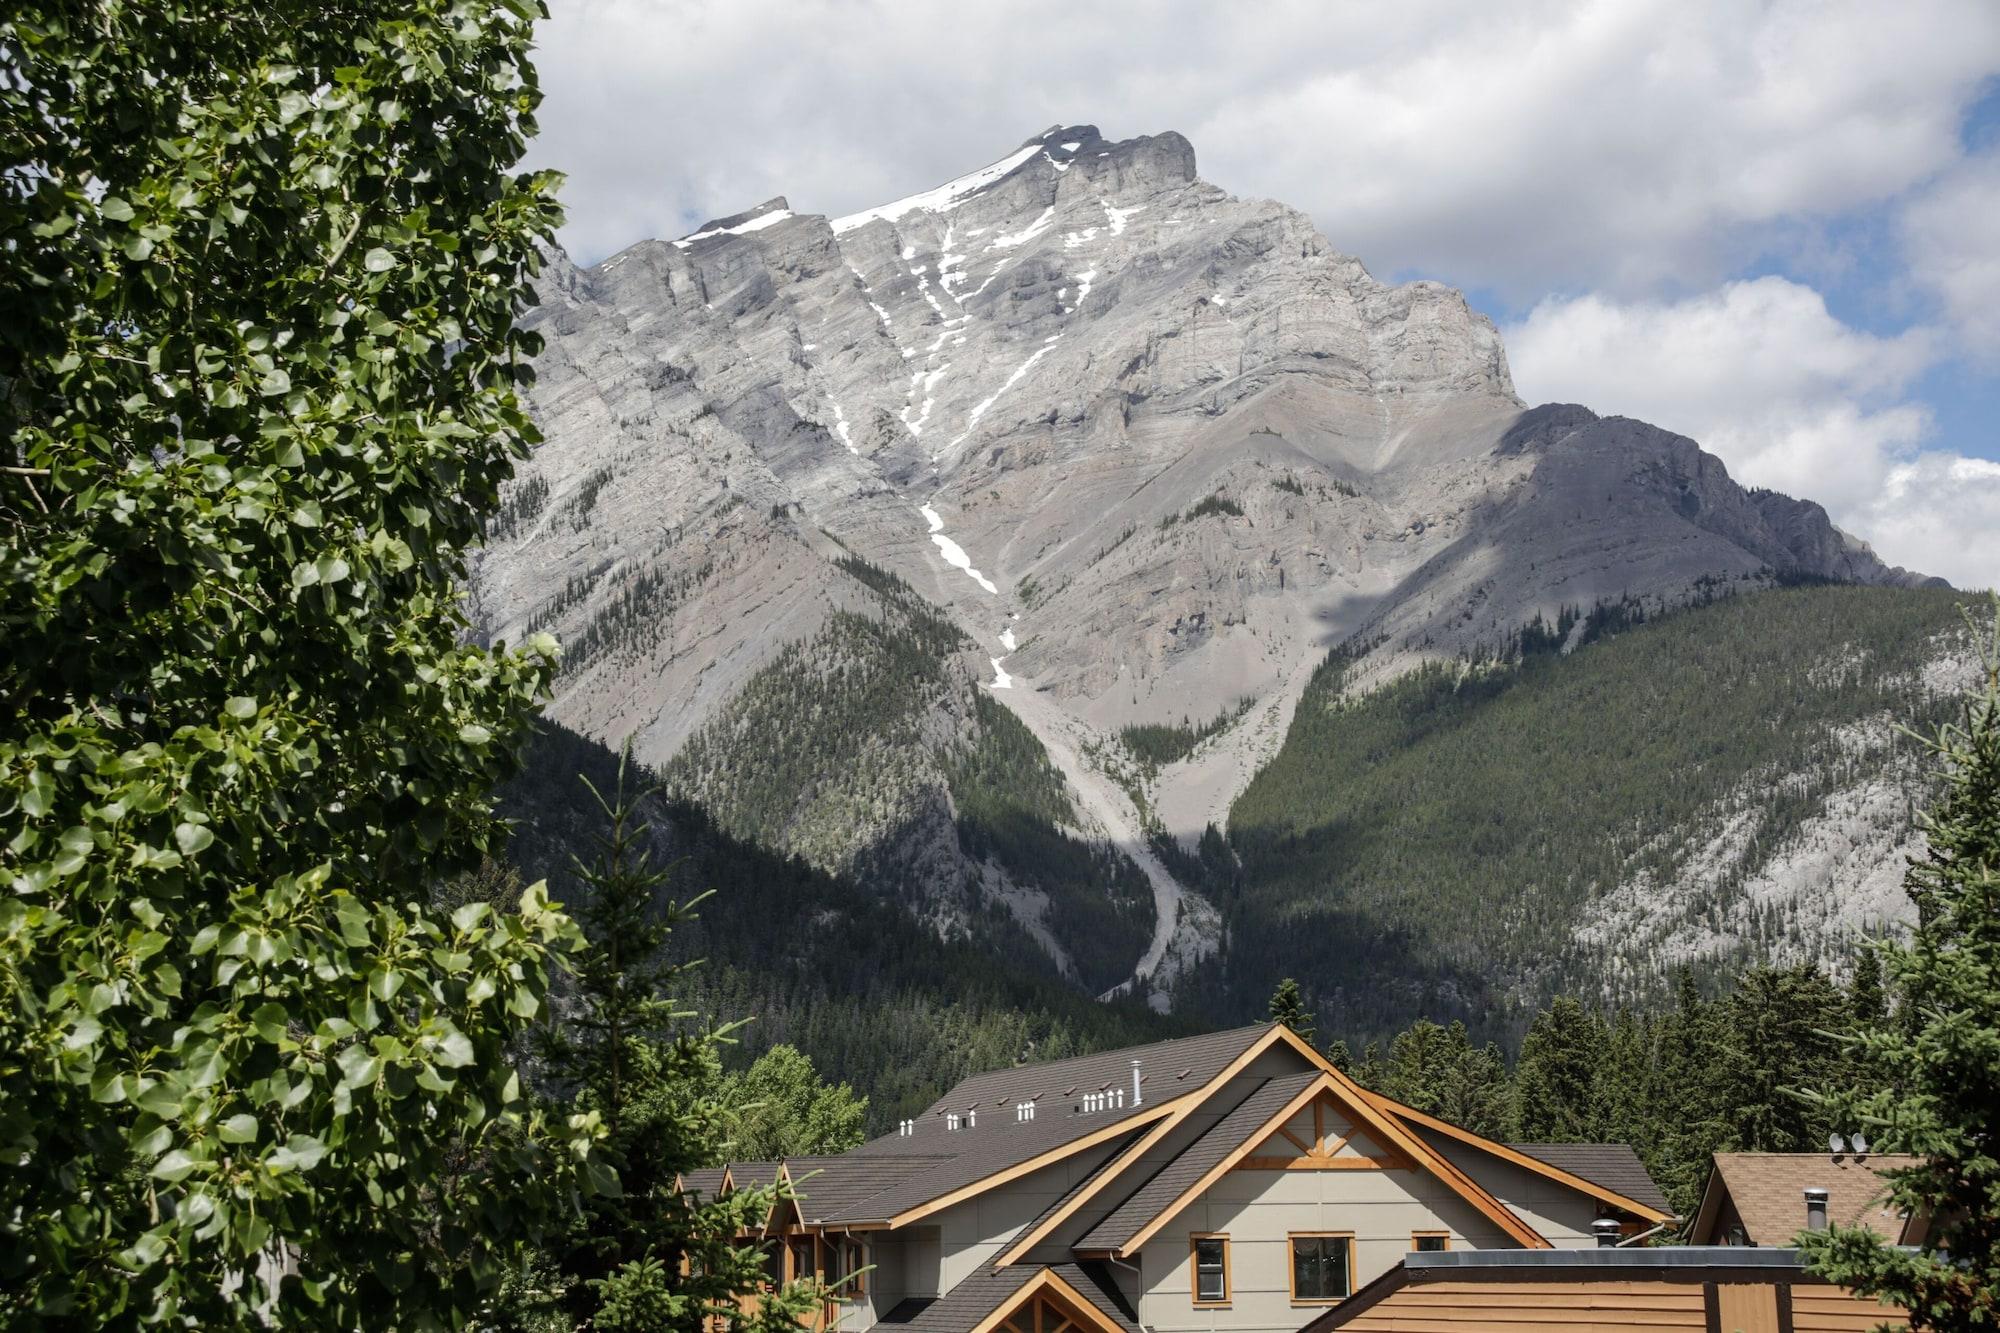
{"x":1522,"y":147}
{"x":1766,"y":378}
{"x":1951,"y":234}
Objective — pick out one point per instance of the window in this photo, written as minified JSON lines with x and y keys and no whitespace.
{"x":1430,"y":1242}
{"x":1322,"y":1268}
{"x":1211,"y":1269}
{"x":849,"y":1259}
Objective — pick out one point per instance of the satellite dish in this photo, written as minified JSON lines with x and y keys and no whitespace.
{"x":1860,"y":1143}
{"x":1836,"y":1144}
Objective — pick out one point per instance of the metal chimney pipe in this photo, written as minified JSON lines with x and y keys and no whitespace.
{"x":1138,"y":1094}
{"x":1607,"y":1231}
{"x":1816,"y":1210}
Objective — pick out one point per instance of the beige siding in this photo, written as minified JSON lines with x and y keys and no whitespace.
{"x":976,"y":1232}
{"x":1560,"y":1213}
{"x":1259,"y":1210}
{"x":1817,"y":1309}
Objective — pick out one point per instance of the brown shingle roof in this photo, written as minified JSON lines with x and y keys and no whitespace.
{"x":1613,"y":1165}
{"x":1768,"y":1191}
{"x":1180,"y":1173}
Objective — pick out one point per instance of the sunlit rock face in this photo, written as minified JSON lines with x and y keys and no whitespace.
{"x":1157,"y":449}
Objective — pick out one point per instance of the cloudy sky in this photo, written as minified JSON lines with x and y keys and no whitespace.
{"x":1774,"y":226}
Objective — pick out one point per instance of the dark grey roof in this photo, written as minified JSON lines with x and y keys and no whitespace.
{"x":888,"y":1176}
{"x":752,"y":1175}
{"x":704,"y":1182}
{"x":830,"y":1186}
{"x":1180,"y":1173}
{"x":1612,"y":1165}
{"x":981,"y":1293}
{"x":1064,"y":1081}
{"x":987,"y":1289}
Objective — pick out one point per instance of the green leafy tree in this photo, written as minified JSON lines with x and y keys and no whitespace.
{"x":1288,"y":1006}
{"x":261,"y":267}
{"x":1942,"y":1053}
{"x":782,"y":1108}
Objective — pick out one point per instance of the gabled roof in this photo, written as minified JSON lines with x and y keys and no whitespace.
{"x":708,"y":1182}
{"x":1612,"y":1165}
{"x":989,"y":1295}
{"x":1542,"y":1159}
{"x":1768,"y":1191}
{"x":1167,"y":1069}
{"x":1183,"y":1172}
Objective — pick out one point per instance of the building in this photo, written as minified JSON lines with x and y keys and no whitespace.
{"x":1767,"y":1198}
{"x":1234,"y":1180}
{"x":1715,"y":1289}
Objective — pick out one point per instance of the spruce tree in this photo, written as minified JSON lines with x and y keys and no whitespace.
{"x":1942,"y":1053}
{"x":1288,"y":1006}
{"x":1554,"y":1081}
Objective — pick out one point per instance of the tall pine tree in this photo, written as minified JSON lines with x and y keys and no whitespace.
{"x":1942,"y":1053}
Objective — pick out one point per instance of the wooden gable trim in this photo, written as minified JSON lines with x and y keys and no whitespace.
{"x":1713,"y":1191}
{"x":1322,"y":1155}
{"x":1165,"y":1110}
{"x":1113,"y":1169}
{"x":1072,"y":1304}
{"x":1282,"y":1116}
{"x":1372,"y":1116}
{"x":1521,"y":1159}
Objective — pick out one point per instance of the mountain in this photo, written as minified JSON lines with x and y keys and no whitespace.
{"x":982,"y":546}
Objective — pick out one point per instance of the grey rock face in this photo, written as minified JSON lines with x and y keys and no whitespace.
{"x":1156,"y":448}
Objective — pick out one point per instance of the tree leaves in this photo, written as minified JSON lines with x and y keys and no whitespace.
{"x":245,"y":476}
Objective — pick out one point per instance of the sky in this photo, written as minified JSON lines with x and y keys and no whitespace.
{"x":1773,"y":227}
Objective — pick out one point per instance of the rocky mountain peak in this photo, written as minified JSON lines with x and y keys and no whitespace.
{"x":1152,"y":449}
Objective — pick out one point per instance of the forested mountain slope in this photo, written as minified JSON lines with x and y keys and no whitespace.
{"x":1708,"y":788}
{"x":875,"y":996}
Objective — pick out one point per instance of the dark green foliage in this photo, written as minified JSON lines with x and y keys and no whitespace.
{"x":829,"y":752}
{"x":628,"y":619}
{"x":260,"y":267}
{"x":1208,"y":505}
{"x":1159,"y":744}
{"x":780,"y":1107}
{"x":1554,"y":1085}
{"x":1449,"y":829}
{"x":520,"y":505}
{"x":625,"y":1050}
{"x":1288,"y":1006}
{"x":1010,"y":800}
{"x":1939,"y":1056}
{"x":576,"y":510}
{"x":823,"y":962}
{"x":1440,"y":1072}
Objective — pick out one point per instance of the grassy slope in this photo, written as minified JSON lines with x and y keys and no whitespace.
{"x":1414,"y":851}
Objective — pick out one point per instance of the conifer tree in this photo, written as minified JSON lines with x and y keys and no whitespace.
{"x":1288,"y":1006}
{"x":1554,"y":1082}
{"x":1942,"y":1053}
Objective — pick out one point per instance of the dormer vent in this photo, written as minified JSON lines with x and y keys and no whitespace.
{"x":905,"y":1128}
{"x":1024,"y":1110}
{"x":1138,"y":1092}
{"x":951,"y":1121}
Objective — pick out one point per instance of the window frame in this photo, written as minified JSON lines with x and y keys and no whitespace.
{"x":850,"y":1276}
{"x":1416,"y":1236}
{"x":1195,"y":1238}
{"x":1292,"y":1265}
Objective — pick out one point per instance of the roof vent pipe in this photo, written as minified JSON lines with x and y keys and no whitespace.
{"x":1138,"y":1094}
{"x":1607,"y":1231}
{"x":1815,"y":1210}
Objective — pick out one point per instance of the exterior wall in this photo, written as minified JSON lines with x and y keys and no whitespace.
{"x":1642,"y":1305}
{"x":1258,"y":1210}
{"x":884,"y":1285}
{"x":1558,"y":1212}
{"x":976,"y":1232}
{"x":1275,"y":1063}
